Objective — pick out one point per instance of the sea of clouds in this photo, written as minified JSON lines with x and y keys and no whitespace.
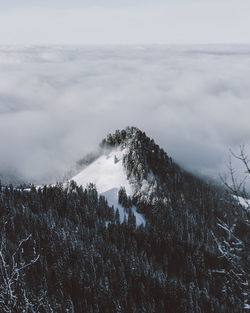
{"x":57,"y":103}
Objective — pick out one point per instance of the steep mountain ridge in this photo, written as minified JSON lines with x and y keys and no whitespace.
{"x":143,"y":161}
{"x":132,"y":160}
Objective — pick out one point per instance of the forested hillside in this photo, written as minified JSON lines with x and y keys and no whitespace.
{"x":80,"y":257}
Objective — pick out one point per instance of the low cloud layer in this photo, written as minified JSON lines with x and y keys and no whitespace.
{"x":56,"y":104}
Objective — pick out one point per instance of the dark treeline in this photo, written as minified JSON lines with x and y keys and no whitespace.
{"x":91,"y":262}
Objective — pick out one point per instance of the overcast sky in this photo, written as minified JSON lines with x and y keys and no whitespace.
{"x":56,"y":104}
{"x":124,"y":22}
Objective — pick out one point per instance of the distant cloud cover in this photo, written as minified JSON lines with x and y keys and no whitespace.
{"x":124,"y":22}
{"x":57,"y":103}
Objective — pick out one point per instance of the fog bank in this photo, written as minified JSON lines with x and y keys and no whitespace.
{"x":57,"y":103}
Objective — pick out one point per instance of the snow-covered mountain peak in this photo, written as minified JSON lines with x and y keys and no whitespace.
{"x":132,"y":160}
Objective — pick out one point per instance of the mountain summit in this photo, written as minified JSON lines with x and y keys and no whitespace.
{"x":132,"y":161}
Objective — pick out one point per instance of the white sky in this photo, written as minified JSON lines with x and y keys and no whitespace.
{"x":127,"y":22}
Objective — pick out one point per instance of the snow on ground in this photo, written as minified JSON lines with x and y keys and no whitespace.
{"x":107,"y":173}
{"x":246,"y":306}
{"x":112,"y":197}
{"x":244,"y":202}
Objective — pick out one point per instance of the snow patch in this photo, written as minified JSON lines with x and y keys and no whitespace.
{"x":107,"y":173}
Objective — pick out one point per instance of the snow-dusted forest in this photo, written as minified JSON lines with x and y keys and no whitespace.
{"x":133,"y":232}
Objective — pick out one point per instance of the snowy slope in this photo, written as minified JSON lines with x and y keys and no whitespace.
{"x":108,"y":174}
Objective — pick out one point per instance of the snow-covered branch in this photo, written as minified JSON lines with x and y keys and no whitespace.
{"x":12,"y":296}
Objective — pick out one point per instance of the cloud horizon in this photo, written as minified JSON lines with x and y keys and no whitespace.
{"x":57,"y":104}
